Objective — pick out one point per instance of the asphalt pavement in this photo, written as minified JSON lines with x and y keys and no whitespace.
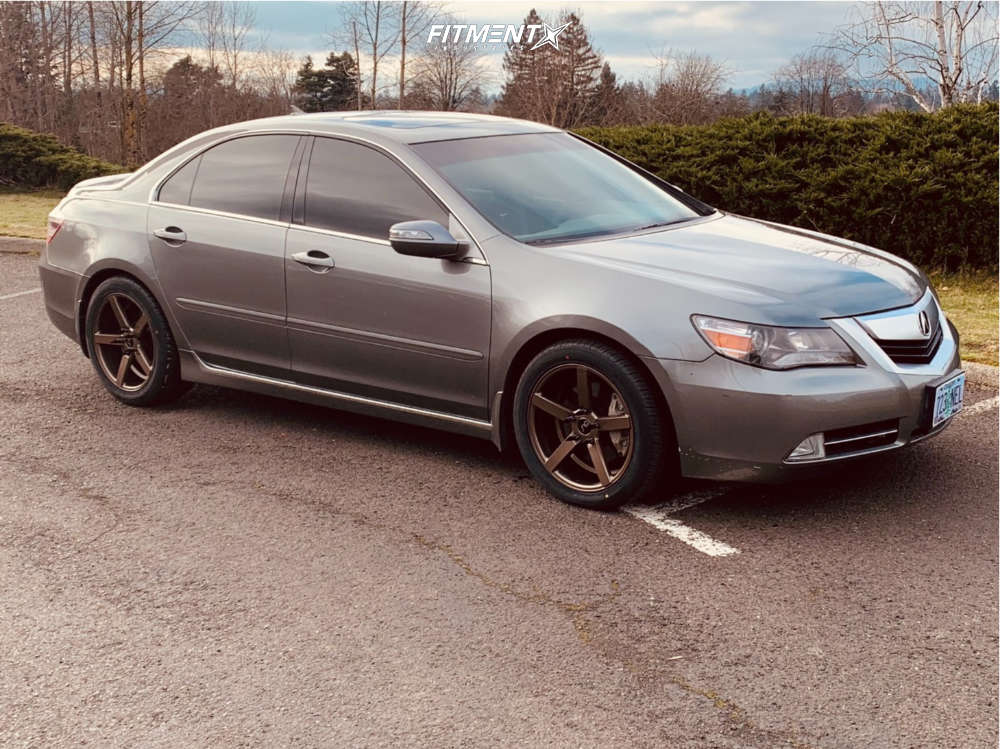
{"x":236,"y":570}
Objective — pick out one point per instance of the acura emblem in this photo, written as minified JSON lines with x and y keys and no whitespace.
{"x":925,"y":323}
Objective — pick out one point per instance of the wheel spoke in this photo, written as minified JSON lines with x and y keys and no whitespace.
{"x":582,"y":387}
{"x":108,"y":339}
{"x":140,"y":325}
{"x":116,"y":307}
{"x":123,"y":366}
{"x":557,"y":457}
{"x":614,"y":423}
{"x":142,"y":360}
{"x":550,"y":407}
{"x":600,"y":467}
{"x":583,"y":404}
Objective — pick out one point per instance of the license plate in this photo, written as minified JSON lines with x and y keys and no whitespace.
{"x":948,"y":398}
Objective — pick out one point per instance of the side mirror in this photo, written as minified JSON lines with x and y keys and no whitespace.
{"x":424,"y":239}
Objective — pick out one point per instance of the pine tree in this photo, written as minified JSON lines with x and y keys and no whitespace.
{"x":330,"y":88}
{"x":525,"y":75}
{"x":609,"y":104}
{"x":555,"y":86}
{"x":578,"y":66}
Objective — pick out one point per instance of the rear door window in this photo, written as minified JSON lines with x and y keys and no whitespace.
{"x":244,"y":176}
{"x":355,"y":189}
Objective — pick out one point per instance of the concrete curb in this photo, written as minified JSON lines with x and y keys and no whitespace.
{"x":981,"y":375}
{"x":21,"y":245}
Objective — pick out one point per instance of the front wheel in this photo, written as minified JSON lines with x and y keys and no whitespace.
{"x":130,"y":344}
{"x":589,"y":427}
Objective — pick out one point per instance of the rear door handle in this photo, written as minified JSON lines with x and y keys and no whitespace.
{"x":172,"y":234}
{"x":314,"y":259}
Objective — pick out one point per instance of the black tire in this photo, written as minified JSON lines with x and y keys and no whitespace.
{"x":650,"y":464}
{"x":154,"y":345}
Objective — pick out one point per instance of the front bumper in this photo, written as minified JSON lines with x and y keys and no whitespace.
{"x":739,"y":423}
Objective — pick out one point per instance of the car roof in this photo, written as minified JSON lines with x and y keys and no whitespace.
{"x":402,"y":126}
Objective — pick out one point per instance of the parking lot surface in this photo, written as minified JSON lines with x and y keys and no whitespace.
{"x":241,"y":570}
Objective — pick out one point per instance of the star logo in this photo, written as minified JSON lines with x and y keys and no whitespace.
{"x":551,"y":37}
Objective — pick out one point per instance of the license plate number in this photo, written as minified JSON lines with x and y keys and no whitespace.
{"x":948,"y":398}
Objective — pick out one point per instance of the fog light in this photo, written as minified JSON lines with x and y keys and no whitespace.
{"x":811,"y":448}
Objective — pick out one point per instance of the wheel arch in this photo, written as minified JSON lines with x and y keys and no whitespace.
{"x":533,"y":344}
{"x":101,"y":272}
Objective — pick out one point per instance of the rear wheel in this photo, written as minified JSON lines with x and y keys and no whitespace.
{"x":130,"y":344}
{"x":588,"y":426}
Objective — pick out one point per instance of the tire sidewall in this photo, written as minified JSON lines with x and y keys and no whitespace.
{"x":645,"y":423}
{"x":156,"y":383}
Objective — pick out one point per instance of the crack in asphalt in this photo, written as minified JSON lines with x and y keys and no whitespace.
{"x":576,"y":611}
{"x":737,"y":716}
{"x":39,"y":467}
{"x":733,"y":713}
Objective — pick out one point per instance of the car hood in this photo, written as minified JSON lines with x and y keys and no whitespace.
{"x":791,"y":276}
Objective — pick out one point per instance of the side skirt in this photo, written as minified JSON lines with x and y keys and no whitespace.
{"x":194,"y":369}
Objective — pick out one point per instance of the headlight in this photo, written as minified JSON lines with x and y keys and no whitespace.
{"x":774,"y":348}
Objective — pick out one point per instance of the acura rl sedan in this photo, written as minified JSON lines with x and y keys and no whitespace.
{"x":501,"y":279}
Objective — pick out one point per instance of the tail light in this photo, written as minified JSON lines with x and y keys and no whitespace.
{"x":53,"y":228}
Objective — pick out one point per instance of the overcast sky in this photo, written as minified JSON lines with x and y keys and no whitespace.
{"x":751,"y":38}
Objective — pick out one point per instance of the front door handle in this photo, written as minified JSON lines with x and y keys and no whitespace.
{"x":171,"y":234}
{"x":314,"y":259}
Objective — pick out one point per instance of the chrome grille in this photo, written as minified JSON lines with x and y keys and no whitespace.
{"x":912,"y":352}
{"x":907,"y":335}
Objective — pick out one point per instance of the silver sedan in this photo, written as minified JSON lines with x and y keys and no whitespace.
{"x":505,"y":280}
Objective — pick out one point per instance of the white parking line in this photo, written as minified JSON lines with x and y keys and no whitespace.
{"x":662,"y":521}
{"x":980,"y":407}
{"x":20,"y":293}
{"x":659,"y":516}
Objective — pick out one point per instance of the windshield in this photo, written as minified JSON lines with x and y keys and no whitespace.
{"x":551,"y":187}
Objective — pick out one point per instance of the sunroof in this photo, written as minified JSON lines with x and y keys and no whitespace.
{"x":408,"y":122}
{"x":399,"y":124}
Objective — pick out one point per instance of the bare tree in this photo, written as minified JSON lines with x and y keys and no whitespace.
{"x":224,"y":28}
{"x":275,"y":74}
{"x":24,"y":64}
{"x":109,"y":78}
{"x":448,"y":77}
{"x":815,"y":83}
{"x":92,"y":35}
{"x":140,"y":29}
{"x":357,"y":55}
{"x":374,"y":29}
{"x":898,"y":46}
{"x":686,"y":88}
{"x":414,"y":19}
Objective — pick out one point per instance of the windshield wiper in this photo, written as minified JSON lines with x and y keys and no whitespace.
{"x":664,"y":223}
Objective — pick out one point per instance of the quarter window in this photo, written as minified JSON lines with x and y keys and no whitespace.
{"x":177,"y":189}
{"x":243,"y":175}
{"x":357,"y":190}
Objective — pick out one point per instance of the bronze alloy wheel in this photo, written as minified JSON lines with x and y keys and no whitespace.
{"x":580,"y":428}
{"x":124,"y":344}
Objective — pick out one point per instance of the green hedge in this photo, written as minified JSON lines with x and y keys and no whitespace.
{"x":921,"y":186}
{"x":29,"y":159}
